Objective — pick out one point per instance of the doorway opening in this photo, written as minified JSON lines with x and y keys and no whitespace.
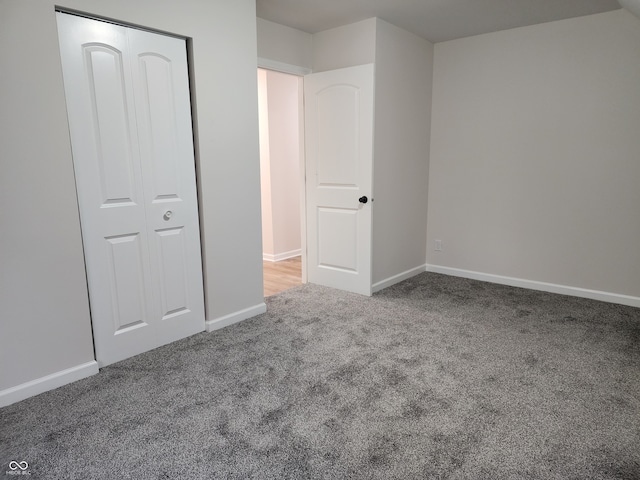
{"x":282,"y":179}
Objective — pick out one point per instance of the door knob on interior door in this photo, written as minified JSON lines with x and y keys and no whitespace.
{"x":167,"y":215}
{"x":363,"y":199}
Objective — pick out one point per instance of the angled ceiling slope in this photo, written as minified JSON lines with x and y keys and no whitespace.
{"x":435,"y":20}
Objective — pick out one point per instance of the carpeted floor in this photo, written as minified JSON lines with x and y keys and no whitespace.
{"x":436,"y":377}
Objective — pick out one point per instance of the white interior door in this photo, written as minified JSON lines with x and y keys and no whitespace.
{"x":339,"y":156}
{"x":129,"y":114}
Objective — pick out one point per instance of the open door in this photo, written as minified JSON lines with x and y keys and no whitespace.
{"x":339,"y":170}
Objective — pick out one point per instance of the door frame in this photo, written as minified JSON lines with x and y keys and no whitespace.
{"x":299,"y":72}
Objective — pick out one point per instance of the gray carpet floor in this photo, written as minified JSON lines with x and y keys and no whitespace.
{"x":435,"y":377}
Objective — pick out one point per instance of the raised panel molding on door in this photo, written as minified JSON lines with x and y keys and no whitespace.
{"x":129,"y":114}
{"x":339,"y":157}
{"x":126,"y":282}
{"x":159,"y":67}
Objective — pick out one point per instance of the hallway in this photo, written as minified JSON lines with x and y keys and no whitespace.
{"x":281,"y":276}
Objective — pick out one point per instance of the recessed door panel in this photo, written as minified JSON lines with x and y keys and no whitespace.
{"x":159,"y":137}
{"x":337,"y":129}
{"x":338,"y":239}
{"x":105,"y":78}
{"x":172,"y":262}
{"x":126,"y":281}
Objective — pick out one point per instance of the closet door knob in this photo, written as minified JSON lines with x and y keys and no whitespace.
{"x":167,"y":215}
{"x":363,"y":199}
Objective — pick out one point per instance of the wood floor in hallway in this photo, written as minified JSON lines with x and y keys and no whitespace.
{"x":282,"y":275}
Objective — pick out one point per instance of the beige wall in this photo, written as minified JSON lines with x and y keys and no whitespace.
{"x":280,"y":109}
{"x":535,"y":152}
{"x":45,"y":324}
{"x":265,"y":165}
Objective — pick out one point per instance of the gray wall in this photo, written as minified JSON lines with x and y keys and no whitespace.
{"x":284,"y":44}
{"x":404,"y":64}
{"x":44,"y":312}
{"x":345,"y":46}
{"x":403,"y":74}
{"x":535,"y":153}
{"x":533,"y":172}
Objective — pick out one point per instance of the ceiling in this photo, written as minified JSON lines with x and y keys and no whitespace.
{"x":435,"y":20}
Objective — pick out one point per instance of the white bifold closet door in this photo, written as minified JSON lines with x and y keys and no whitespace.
{"x":129,"y":111}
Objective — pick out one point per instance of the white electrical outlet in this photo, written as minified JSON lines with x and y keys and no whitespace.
{"x":438,"y":245}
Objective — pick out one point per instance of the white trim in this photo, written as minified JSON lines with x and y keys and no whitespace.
{"x":303,"y":181}
{"x":225,"y":321}
{"x":376,"y":287}
{"x":542,"y":286}
{"x":282,"y":67}
{"x":44,"y":384}
{"x":267,"y":257}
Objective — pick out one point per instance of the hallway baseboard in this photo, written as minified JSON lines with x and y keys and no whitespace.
{"x":267,"y":257}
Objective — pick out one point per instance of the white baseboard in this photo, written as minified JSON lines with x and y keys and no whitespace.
{"x":44,"y":384}
{"x":267,"y":257}
{"x":376,"y":287}
{"x":221,"y":322}
{"x":542,"y":286}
